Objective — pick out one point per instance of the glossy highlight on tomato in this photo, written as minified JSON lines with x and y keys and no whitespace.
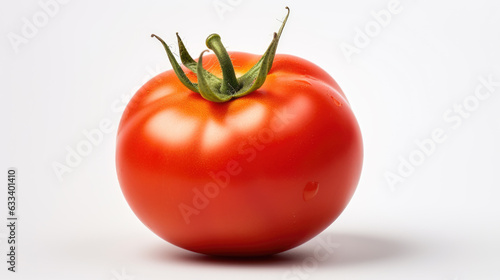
{"x":251,"y":176}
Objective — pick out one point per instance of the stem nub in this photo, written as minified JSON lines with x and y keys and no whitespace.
{"x":230,"y":83}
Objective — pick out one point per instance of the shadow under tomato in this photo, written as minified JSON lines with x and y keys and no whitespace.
{"x":274,"y":260}
{"x":344,"y":250}
{"x":356,"y":249}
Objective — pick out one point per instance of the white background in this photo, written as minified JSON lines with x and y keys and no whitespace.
{"x":441,"y":222}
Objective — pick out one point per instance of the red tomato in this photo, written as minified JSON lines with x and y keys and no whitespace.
{"x":256,"y":175}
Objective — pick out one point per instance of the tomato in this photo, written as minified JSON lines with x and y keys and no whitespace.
{"x":255,"y":175}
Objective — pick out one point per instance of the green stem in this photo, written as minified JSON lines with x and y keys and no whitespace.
{"x":229,"y":81}
{"x":212,"y":87}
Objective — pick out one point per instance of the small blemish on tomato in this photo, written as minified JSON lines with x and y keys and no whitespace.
{"x":303,"y":82}
{"x":310,"y":190}
{"x":336,"y":101}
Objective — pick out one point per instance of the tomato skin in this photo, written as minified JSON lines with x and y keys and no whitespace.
{"x":254,"y":176}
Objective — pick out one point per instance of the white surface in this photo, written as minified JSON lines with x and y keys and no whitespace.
{"x":442,"y":222}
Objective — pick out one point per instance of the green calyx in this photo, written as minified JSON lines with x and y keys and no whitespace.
{"x":212,"y":87}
